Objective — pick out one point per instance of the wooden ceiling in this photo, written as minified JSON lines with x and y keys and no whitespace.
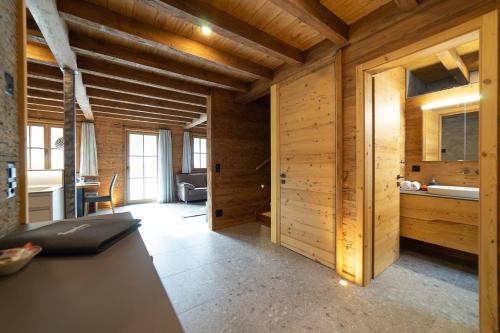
{"x":149,"y":60}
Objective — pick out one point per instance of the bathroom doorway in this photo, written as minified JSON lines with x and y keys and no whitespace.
{"x":378,"y":118}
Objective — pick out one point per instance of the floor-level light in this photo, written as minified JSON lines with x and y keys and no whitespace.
{"x":343,"y":283}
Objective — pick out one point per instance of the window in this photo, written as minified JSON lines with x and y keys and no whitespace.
{"x":142,"y":167}
{"x":199,"y":153}
{"x":36,"y":147}
{"x":41,"y":156}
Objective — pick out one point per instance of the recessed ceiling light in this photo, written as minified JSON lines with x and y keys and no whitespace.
{"x":206,"y":30}
{"x":343,"y":283}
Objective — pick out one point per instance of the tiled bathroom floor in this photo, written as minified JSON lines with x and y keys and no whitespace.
{"x":237,"y":281}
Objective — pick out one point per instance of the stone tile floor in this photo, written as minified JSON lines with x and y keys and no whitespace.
{"x":235,"y":280}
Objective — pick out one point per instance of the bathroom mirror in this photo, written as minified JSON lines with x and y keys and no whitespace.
{"x":451,"y":133}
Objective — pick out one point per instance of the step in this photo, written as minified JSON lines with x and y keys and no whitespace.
{"x":264,"y":218}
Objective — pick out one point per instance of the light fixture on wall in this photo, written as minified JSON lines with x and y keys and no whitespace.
{"x":452,"y":101}
{"x":205,"y":29}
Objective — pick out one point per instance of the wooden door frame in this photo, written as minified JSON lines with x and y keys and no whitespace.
{"x":486,"y":28}
{"x":275,"y":157}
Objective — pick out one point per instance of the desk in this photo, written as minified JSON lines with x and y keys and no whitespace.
{"x":81,"y":188}
{"x":117,"y":290}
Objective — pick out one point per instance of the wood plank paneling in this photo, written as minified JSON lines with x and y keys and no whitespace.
{"x":307,"y":145}
{"x":239,"y":141}
{"x":446,"y":222}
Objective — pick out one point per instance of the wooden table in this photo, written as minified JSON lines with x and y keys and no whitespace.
{"x":117,"y":290}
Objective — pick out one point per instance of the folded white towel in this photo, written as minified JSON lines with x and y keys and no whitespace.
{"x":405,"y":185}
{"x":415,"y":186}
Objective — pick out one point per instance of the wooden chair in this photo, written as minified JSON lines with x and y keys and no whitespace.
{"x":102,"y":198}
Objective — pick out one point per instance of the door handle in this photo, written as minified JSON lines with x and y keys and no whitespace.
{"x":398,"y":177}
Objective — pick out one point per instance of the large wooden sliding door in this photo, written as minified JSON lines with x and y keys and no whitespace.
{"x":307,"y":141}
{"x":388,"y":110}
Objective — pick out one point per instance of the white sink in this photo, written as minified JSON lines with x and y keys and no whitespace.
{"x":454,"y":191}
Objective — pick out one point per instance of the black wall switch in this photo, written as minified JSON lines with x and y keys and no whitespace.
{"x":415,"y":168}
{"x":9,"y":84}
{"x":217,"y":167}
{"x":219,"y":213}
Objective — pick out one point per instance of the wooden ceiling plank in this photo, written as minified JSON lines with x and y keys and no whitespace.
{"x":203,"y":119}
{"x":54,"y":31}
{"x":406,"y":5}
{"x":318,"y":17}
{"x":317,"y":56}
{"x":452,"y":61}
{"x":82,"y":12}
{"x":170,"y":67}
{"x":226,"y":25}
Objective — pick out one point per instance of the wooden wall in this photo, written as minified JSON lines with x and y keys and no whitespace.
{"x":386,"y":29}
{"x":239,"y":139}
{"x":111,"y":141}
{"x":9,"y":138}
{"x":446,"y":172}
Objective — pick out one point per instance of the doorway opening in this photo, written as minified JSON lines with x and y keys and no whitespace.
{"x":142,"y":162}
{"x":393,"y":114}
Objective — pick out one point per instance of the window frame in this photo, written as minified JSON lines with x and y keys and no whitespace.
{"x":47,"y":149}
{"x":193,"y":153}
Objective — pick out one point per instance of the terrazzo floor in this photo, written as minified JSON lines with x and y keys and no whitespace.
{"x":237,"y":281}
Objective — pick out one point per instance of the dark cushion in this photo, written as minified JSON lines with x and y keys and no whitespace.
{"x":103,"y":198}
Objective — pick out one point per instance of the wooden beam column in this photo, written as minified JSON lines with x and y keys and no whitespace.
{"x":69,"y":143}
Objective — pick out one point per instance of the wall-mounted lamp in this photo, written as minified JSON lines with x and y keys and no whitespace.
{"x":450,"y":102}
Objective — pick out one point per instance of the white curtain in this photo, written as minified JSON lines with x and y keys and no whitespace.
{"x":165,"y":169}
{"x":88,"y":151}
{"x":186,"y":153}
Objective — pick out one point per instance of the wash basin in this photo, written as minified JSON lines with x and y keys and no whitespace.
{"x":454,"y":191}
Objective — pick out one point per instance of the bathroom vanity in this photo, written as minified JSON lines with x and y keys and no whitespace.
{"x":447,"y":221}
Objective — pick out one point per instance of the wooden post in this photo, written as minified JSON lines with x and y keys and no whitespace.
{"x":69,"y":143}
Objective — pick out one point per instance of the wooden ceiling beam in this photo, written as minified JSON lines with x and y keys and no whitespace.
{"x":318,"y":17}
{"x":100,"y":82}
{"x":406,"y":5}
{"x":317,"y":56}
{"x":39,"y":111}
{"x":161,"y":65}
{"x":111,"y":105}
{"x":100,"y":18}
{"x":44,"y":71}
{"x":142,"y":108}
{"x":139,"y":100}
{"x":54,"y":86}
{"x":115,"y":112}
{"x":120,"y":97}
{"x":39,"y":53}
{"x":199,"y":12}
{"x":203,"y":119}
{"x":452,"y":61}
{"x":55,"y":31}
